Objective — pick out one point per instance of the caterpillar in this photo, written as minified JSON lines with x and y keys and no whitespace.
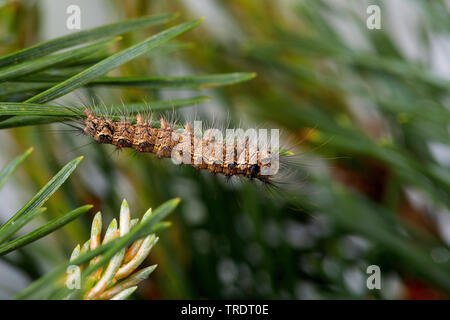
{"x":242,"y":155}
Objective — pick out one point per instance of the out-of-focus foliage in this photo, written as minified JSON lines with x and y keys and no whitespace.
{"x":363,"y":115}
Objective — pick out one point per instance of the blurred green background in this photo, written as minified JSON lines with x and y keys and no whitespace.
{"x":365,"y":111}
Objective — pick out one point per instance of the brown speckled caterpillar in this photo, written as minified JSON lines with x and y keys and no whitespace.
{"x":165,"y":142}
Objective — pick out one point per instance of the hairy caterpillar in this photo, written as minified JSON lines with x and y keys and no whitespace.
{"x":241,"y":156}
